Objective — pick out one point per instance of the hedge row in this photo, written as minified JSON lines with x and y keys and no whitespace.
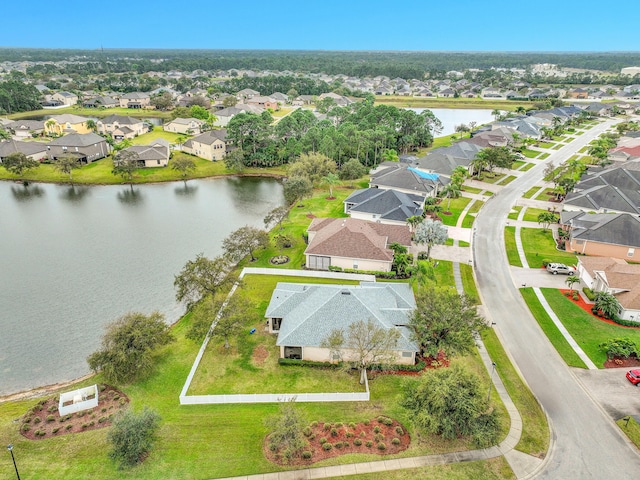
{"x":395,"y":368}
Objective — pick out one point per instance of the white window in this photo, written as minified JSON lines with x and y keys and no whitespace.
{"x":407,"y":354}
{"x":355,"y":264}
{"x":631,"y":252}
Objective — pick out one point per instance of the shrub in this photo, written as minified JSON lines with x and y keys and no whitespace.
{"x":338,"y":425}
{"x":349,"y":434}
{"x":307,"y":432}
{"x":322,"y":441}
{"x":52,"y":408}
{"x":116,"y":397}
{"x":362,"y":434}
{"x":69,"y":426}
{"x":589,"y":293}
{"x":367,"y":422}
{"x":396,"y":441}
{"x":55,"y":430}
{"x":306,"y":454}
{"x":352,"y":425}
{"x":312,"y":436}
{"x":132,"y":435}
{"x":25,"y":427}
{"x":81,"y":414}
{"x":327,"y":446}
{"x":388,"y":422}
{"x":619,"y":347}
{"x":104,"y":409}
{"x":37,"y":420}
{"x":546,"y":262}
{"x":382,"y":446}
{"x":378,"y":437}
{"x":84,"y":425}
{"x":102,"y":419}
{"x":357,"y":442}
{"x":345,"y":444}
{"x":51,"y":418}
{"x":314,"y":424}
{"x":102,"y":387}
{"x":92,"y":423}
{"x":376,"y":430}
{"x":338,"y":445}
{"x":334,"y":432}
{"x":326,"y":427}
{"x":27,"y":419}
{"x":40,"y":433}
{"x":369,"y":443}
{"x":381,"y":419}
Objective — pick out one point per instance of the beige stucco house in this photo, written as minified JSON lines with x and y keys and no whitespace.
{"x":33,"y":150}
{"x":303,"y":315}
{"x":353,"y":244}
{"x":135,"y":100}
{"x":121,"y":127}
{"x":185,"y":126}
{"x":67,"y":123}
{"x":156,"y":154}
{"x":86,"y":147}
{"x":65,"y":98}
{"x":211,"y":145}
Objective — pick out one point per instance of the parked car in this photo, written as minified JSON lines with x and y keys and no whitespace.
{"x":557,"y":268}
{"x":634,"y":376}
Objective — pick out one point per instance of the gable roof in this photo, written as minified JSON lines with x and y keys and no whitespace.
{"x":617,"y":229}
{"x":120,"y":119}
{"x":28,"y":148}
{"x":208,"y":138}
{"x":616,"y":188}
{"x":77,"y":140}
{"x":158,"y":150}
{"x":397,"y":175}
{"x":25,"y":125}
{"x":310,"y":312}
{"x":619,"y":275}
{"x":186,"y":121}
{"x":353,"y":238}
{"x":388,"y":204}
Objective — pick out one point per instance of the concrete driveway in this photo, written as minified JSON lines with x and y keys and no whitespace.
{"x":610,"y":388}
{"x":537,"y":277}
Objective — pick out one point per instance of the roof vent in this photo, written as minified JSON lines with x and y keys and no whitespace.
{"x":345,"y":292}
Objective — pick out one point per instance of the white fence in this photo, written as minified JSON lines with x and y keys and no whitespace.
{"x":79,"y":400}
{"x":273,"y":397}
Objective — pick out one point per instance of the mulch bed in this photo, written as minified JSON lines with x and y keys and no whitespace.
{"x":630,"y":362}
{"x":44,"y":420}
{"x":587,"y":308}
{"x":375,"y":436}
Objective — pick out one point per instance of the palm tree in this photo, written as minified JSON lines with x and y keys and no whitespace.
{"x":496,"y":114}
{"x":414,"y":221}
{"x":452,"y":190}
{"x":331,"y":179}
{"x":92,"y":125}
{"x":571,"y":280}
{"x":607,"y":304}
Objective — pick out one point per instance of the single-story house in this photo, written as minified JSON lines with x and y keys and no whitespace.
{"x":121,"y":127}
{"x":33,"y":150}
{"x":211,"y":145}
{"x":25,"y":128}
{"x":353,"y":244}
{"x":135,"y":100}
{"x":406,"y":179}
{"x":603,"y":234}
{"x":263,"y":102}
{"x":66,"y":123}
{"x":614,"y":276}
{"x":155,"y":154}
{"x":385,"y":206}
{"x":303,"y":315}
{"x":87,"y":147}
{"x":186,"y":126}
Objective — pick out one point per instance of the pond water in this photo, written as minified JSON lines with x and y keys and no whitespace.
{"x":450,"y":117}
{"x":74,"y":259}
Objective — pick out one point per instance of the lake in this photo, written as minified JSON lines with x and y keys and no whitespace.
{"x":74,"y":259}
{"x":450,"y":117}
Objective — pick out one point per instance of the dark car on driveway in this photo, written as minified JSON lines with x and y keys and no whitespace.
{"x":634,"y":376}
{"x":557,"y":268}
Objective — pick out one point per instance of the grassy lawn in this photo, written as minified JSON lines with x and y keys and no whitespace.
{"x":491,"y":177}
{"x":587,"y":330}
{"x":99,"y":172}
{"x":583,"y":149}
{"x":157,"y":132}
{"x":557,"y":147}
{"x":444,"y":273}
{"x":468,"y":282}
{"x":510,"y":245}
{"x":527,"y":166}
{"x":531,"y":215}
{"x":92,"y":112}
{"x":539,"y":245}
{"x":630,"y":429}
{"x":456,"y":207}
{"x":515,"y":211}
{"x":549,"y":328}
{"x":543,"y":156}
{"x":546,"y":144}
{"x":530,"y":153}
{"x":466,"y":188}
{"x":470,"y":217}
{"x":462,"y":243}
{"x":531,"y":192}
{"x":281,"y":112}
{"x":508,"y":180}
{"x":545,"y":195}
{"x":424,"y":102}
{"x":535,"y":429}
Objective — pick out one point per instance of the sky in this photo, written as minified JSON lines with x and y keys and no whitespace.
{"x":443,"y":25}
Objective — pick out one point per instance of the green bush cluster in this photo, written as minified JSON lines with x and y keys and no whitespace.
{"x":357,"y":442}
{"x":589,"y":293}
{"x":327,"y":446}
{"x":285,"y":362}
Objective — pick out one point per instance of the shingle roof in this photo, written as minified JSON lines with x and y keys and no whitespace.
{"x":616,"y":188}
{"x":353,"y":238}
{"x":389,"y":204}
{"x":28,"y":148}
{"x":619,"y":275}
{"x":399,"y":176}
{"x":617,"y":229}
{"x":69,"y":118}
{"x":120,"y":119}
{"x":311,"y":312}
{"x":208,"y":138}
{"x":77,"y":140}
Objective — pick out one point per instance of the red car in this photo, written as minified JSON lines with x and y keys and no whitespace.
{"x":634,"y":376}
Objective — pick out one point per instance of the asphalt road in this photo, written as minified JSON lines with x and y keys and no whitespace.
{"x":587,"y":444}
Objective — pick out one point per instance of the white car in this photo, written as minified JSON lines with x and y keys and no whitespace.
{"x":557,"y":268}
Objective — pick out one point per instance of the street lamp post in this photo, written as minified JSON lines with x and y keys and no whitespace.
{"x":493,"y":368}
{"x":10,"y":448}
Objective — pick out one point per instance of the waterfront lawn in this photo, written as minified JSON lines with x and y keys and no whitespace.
{"x":157,"y":133}
{"x":428,"y":102}
{"x":539,"y":245}
{"x":456,"y":207}
{"x":549,"y":328}
{"x":587,"y":330}
{"x":92,"y":112}
{"x":535,"y":429}
{"x":510,"y":246}
{"x":470,"y":217}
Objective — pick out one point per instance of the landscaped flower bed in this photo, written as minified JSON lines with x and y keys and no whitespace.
{"x":382,"y":436}
{"x":44,"y":420}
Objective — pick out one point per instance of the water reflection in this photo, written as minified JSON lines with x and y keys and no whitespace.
{"x":27,"y":192}
{"x":186,"y":190}
{"x":75,"y":194}
{"x":130,"y":197}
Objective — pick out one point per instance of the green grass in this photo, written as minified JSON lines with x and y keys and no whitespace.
{"x":466,"y":188}
{"x":557,"y":147}
{"x":517,"y":165}
{"x":584,"y":149}
{"x":468,"y":282}
{"x":508,"y":180}
{"x":539,"y":245}
{"x":515,"y":211}
{"x":546,"y":145}
{"x":535,"y":429}
{"x":549,"y":328}
{"x":545,"y":195}
{"x":531,"y":192}
{"x":470,"y":217}
{"x":587,"y":330}
{"x":631,"y":429}
{"x":510,"y":245}
{"x":527,"y":166}
{"x":92,"y":112}
{"x":99,"y":172}
{"x":462,"y":243}
{"x":543,"y":156}
{"x":530,"y":153}
{"x":424,"y":102}
{"x":491,"y":177}
{"x":456,"y":208}
{"x":493,"y":469}
{"x":531,"y":215}
{"x":157,"y":133}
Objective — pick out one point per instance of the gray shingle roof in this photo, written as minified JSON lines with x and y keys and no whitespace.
{"x":28,"y":148}
{"x":616,"y":229}
{"x":399,"y":176}
{"x":77,"y":140}
{"x":616,"y":188}
{"x":388,"y":204}
{"x":310,"y":312}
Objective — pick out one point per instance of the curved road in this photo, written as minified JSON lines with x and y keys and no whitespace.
{"x":588,"y":445}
